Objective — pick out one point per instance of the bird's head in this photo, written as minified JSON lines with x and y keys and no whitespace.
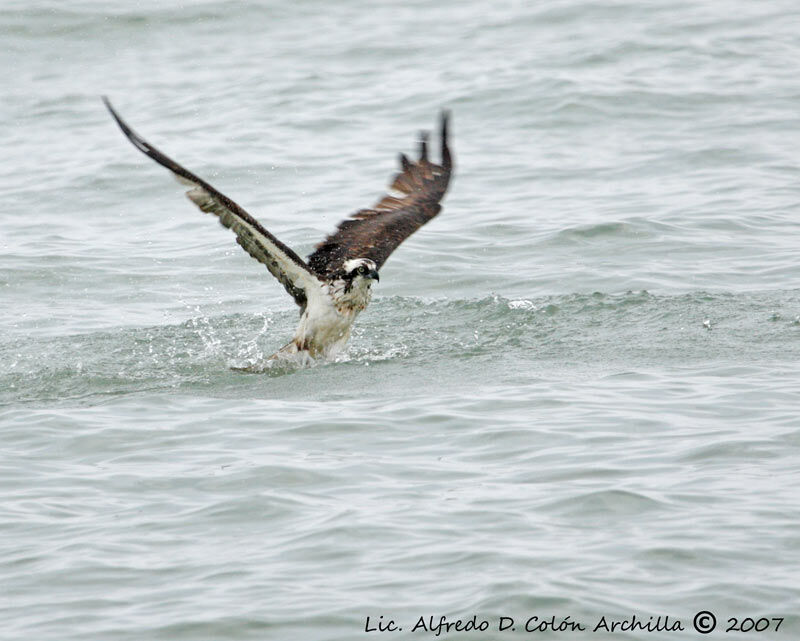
{"x":361,"y":270}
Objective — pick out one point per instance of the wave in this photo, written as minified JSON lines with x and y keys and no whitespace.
{"x":611,"y":331}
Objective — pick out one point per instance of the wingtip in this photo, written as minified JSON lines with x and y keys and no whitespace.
{"x":114,"y":114}
{"x":107,"y":103}
{"x":444,"y":117}
{"x":130,"y":134}
{"x":423,"y":145}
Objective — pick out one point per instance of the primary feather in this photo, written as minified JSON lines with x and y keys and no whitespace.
{"x":334,"y":286}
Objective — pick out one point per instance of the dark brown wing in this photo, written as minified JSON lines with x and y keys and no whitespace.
{"x":281,"y":261}
{"x":375,"y":233}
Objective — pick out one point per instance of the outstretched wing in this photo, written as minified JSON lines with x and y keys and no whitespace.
{"x":375,"y":233}
{"x":281,"y":261}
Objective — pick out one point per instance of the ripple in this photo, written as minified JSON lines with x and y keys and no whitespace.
{"x":532,"y":416}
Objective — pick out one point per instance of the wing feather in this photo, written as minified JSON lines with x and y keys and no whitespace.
{"x":280,"y":260}
{"x":375,"y":233}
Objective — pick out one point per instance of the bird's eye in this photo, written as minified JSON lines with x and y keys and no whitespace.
{"x":362,"y":270}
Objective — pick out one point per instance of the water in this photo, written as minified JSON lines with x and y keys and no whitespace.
{"x":575,"y":391}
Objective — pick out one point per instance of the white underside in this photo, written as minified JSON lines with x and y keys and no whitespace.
{"x":326,"y":323}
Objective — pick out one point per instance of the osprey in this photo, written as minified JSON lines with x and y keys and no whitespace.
{"x":335,"y":283}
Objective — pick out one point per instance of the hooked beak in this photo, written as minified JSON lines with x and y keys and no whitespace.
{"x":374,"y":275}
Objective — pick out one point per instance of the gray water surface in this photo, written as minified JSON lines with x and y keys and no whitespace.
{"x":575,"y":392}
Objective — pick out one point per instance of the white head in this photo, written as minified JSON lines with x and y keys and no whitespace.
{"x":360,"y":271}
{"x":353,"y":288}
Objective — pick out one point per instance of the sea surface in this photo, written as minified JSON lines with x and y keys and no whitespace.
{"x":576,"y":392}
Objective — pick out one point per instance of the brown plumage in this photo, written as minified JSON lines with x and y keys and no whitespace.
{"x":375,"y":233}
{"x":334,"y":286}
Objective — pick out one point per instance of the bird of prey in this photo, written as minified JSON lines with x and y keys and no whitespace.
{"x":334,"y":284}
